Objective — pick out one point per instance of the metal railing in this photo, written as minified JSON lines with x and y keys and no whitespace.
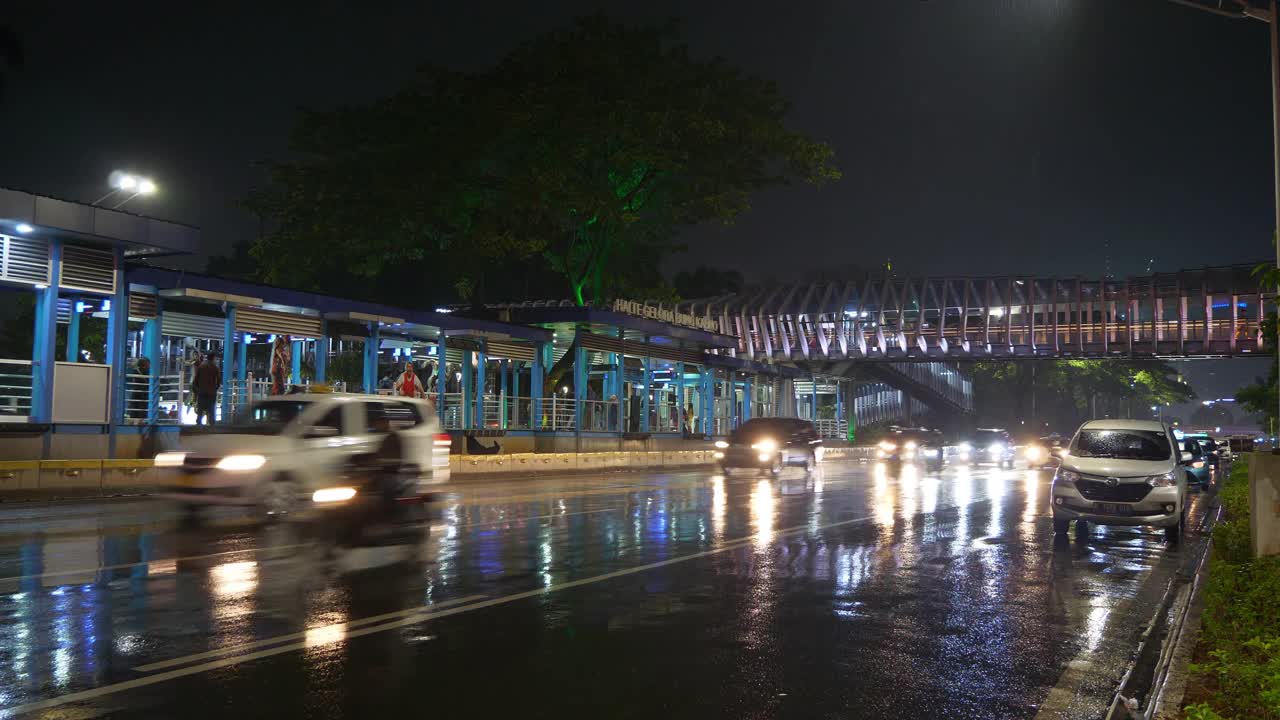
{"x":832,"y":427}
{"x":558,"y":413}
{"x":450,"y":406}
{"x":15,"y":390}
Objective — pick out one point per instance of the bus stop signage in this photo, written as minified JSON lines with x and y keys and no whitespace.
{"x":667,"y":315}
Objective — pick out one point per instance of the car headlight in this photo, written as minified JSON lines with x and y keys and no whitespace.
{"x":930,"y":452}
{"x":995,"y":448}
{"x":1197,"y":464}
{"x":333,"y":495}
{"x":1035,"y":453}
{"x":1166,"y":480}
{"x":766,"y":445}
{"x":722,"y":444}
{"x":170,"y":459}
{"x":240,"y":463}
{"x":888,"y":446}
{"x":911,"y":445}
{"x":964,"y":447}
{"x":1065,"y":477}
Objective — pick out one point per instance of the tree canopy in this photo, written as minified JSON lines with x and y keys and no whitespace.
{"x":579,"y":156}
{"x":1067,"y":392}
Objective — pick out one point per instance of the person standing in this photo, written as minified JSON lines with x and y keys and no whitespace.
{"x":407,"y":383}
{"x":208,"y":378}
{"x":140,"y":391}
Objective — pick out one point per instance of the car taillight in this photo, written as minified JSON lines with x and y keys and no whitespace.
{"x":443,"y":440}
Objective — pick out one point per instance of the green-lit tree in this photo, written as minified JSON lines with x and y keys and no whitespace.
{"x":582,"y":153}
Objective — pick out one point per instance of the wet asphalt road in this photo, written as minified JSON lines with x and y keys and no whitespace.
{"x":852,"y":593}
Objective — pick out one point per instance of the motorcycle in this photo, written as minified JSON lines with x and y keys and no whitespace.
{"x":370,"y":511}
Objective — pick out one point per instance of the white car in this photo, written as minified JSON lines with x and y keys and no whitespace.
{"x":1122,"y":472}
{"x":280,"y":450}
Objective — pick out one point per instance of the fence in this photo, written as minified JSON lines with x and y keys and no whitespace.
{"x":15,"y":390}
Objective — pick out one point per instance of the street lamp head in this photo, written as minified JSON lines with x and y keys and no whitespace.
{"x":123,"y":180}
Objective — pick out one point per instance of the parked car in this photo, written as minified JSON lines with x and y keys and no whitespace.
{"x":1122,"y":472}
{"x":771,"y":444}
{"x":279,"y":451}
{"x":1208,"y":448}
{"x":1224,"y":450}
{"x":1199,"y":469}
{"x":987,"y":445}
{"x":903,"y":444}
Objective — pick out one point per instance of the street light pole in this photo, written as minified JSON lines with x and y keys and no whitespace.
{"x":1270,"y":17}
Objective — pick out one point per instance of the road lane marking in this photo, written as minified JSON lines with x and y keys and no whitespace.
{"x":317,"y":630}
{"x":425,"y":614}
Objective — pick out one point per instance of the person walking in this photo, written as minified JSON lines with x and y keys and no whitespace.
{"x":208,"y":378}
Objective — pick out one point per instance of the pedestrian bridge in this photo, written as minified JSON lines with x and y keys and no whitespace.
{"x":1211,"y":312}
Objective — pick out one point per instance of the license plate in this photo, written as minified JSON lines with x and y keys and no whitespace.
{"x":1113,"y":509}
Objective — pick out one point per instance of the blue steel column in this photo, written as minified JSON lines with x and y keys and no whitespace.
{"x":515,"y":389}
{"x":73,"y":331}
{"x":228,"y":359}
{"x":242,"y":363}
{"x":295,"y":355}
{"x":322,"y":354}
{"x":839,"y":404}
{"x":117,"y":338}
{"x":704,"y":399}
{"x":504,"y":366}
{"x":679,"y":378}
{"x":468,"y":392}
{"x":481,"y":373}
{"x":579,"y":384}
{"x":645,"y":402}
{"x":813,"y":403}
{"x":371,"y":343}
{"x":43,"y":350}
{"x":748,"y":395}
{"x":151,"y":350}
{"x":535,"y":387}
{"x":441,"y":376}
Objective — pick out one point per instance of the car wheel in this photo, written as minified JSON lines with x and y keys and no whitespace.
{"x":279,"y":498}
{"x":1060,"y":526}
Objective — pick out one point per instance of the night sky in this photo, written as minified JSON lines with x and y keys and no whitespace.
{"x":975,"y":137}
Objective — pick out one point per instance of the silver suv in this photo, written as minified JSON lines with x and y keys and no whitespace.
{"x":1122,"y":472}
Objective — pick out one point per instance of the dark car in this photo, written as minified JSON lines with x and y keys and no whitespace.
{"x":771,"y":444}
{"x":923,"y":445}
{"x":987,"y":445}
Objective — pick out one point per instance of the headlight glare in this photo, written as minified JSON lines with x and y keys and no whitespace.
{"x":766,"y":445}
{"x":333,"y":495}
{"x":722,"y":444}
{"x":170,"y":459}
{"x":241,"y":463}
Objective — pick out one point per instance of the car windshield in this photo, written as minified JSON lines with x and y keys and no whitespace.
{"x":1122,"y":444}
{"x":760,"y":428}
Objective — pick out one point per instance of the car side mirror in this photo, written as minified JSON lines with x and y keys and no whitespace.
{"x":1187,"y":458}
{"x":321,"y":431}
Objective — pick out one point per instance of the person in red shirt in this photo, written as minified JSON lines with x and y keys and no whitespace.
{"x":407,"y":384}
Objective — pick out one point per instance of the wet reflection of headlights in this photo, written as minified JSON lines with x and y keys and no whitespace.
{"x":718,"y":455}
{"x":722,"y":444}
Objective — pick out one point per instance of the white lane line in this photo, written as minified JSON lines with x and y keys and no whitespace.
{"x":294,"y":546}
{"x":424,"y":615}
{"x":319,"y":630}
